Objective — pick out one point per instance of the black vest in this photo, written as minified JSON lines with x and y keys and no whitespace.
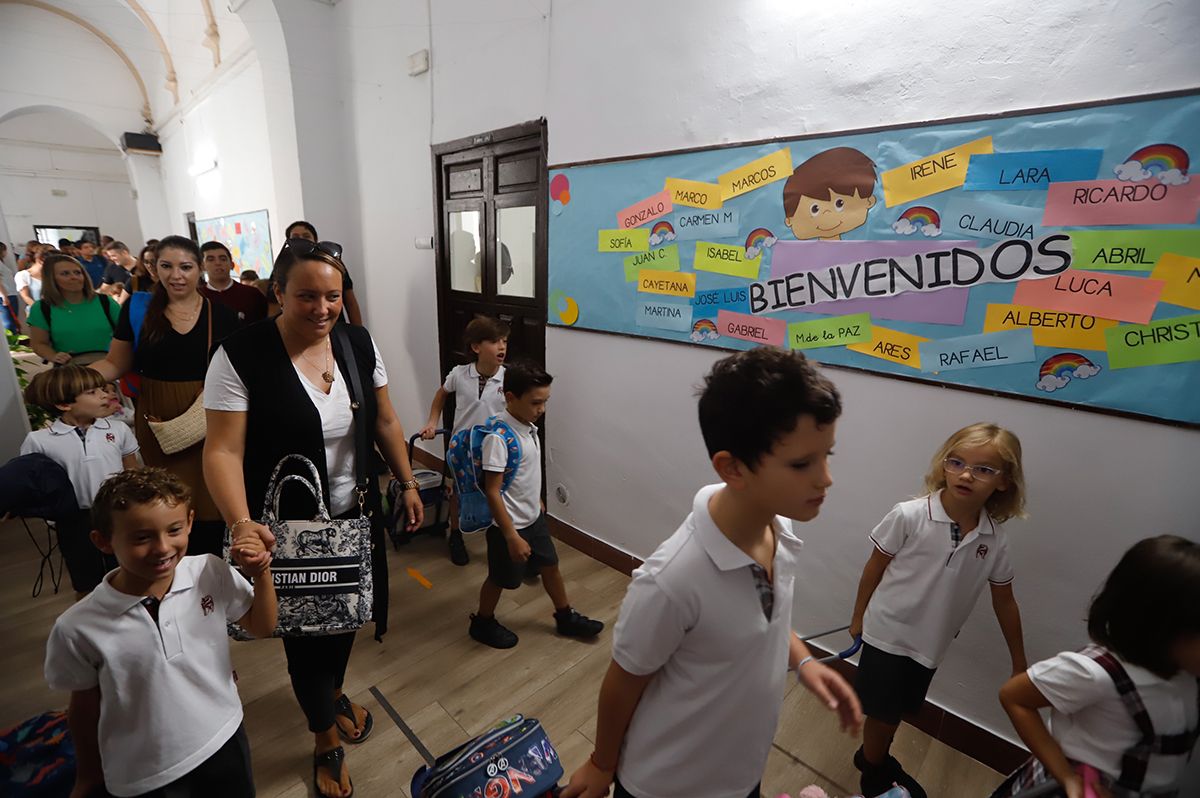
{"x":282,"y":420}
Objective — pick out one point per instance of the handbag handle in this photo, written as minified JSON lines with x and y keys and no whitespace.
{"x":271,"y":500}
{"x":272,"y":508}
{"x":341,"y":340}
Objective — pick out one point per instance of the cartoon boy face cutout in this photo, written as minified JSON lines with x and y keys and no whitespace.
{"x":829,"y":195}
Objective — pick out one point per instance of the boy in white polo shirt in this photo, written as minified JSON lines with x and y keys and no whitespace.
{"x":701,"y":652}
{"x":154,"y":710}
{"x":518,"y":539}
{"x":478,"y":389}
{"x":933,"y":556}
{"x":90,"y":448}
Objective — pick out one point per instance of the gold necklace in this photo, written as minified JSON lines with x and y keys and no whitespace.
{"x":327,"y":374}
{"x":185,"y":317}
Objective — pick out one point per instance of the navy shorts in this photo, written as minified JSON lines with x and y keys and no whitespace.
{"x":505,"y":573}
{"x":890,"y":686}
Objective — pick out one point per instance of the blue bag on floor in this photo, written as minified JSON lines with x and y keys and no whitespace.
{"x":515,"y":758}
{"x":37,"y":758}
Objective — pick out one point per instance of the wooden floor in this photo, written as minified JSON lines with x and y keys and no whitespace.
{"x":448,"y":688}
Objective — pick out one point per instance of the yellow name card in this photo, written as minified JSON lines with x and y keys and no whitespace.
{"x":1182,"y":277}
{"x":725,"y":259}
{"x":756,"y":174}
{"x":898,"y":347}
{"x":669,"y":283}
{"x":1050,"y":327}
{"x":933,"y":173}
{"x":693,"y":193}
{"x":635,"y":240}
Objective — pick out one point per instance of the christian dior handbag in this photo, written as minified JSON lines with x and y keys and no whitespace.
{"x":321,"y":568}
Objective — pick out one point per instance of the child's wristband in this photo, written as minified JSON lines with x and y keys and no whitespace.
{"x":804,"y":662}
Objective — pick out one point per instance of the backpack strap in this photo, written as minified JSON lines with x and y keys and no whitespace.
{"x":106,"y":306}
{"x":1136,"y":761}
{"x":138,"y":304}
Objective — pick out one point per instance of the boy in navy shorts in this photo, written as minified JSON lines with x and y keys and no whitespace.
{"x":154,"y":710}
{"x":519,"y":540}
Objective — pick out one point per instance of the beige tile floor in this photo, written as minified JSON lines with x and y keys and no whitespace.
{"x":448,"y":688}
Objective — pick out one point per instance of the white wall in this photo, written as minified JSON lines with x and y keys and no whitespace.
{"x":626,"y":77}
{"x":226,"y":123}
{"x":52,"y":151}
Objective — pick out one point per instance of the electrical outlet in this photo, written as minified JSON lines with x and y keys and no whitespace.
{"x":562,"y":494}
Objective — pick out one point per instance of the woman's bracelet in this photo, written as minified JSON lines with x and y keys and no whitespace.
{"x":411,"y":484}
{"x":239,"y":522}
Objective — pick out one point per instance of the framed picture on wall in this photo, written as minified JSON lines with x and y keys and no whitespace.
{"x":248,"y":236}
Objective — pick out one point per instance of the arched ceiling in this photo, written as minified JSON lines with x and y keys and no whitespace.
{"x":168,"y":47}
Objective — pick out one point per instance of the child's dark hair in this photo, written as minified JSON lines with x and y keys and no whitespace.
{"x":1148,"y":602}
{"x":301,"y":223}
{"x":484,"y":328}
{"x":60,"y":386}
{"x":751,"y":399}
{"x":134,"y":487}
{"x":520,"y":378}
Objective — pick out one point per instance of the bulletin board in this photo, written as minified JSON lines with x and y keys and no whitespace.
{"x":1050,"y":254}
{"x":248,"y":236}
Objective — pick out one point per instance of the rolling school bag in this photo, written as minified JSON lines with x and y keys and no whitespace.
{"x":515,"y":758}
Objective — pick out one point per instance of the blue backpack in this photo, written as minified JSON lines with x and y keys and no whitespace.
{"x":37,"y":758}
{"x":515,"y":758}
{"x":465,"y":458}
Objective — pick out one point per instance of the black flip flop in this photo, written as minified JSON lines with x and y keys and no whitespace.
{"x":342,"y":707}
{"x":334,"y":761}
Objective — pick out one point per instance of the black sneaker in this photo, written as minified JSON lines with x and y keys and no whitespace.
{"x":458,"y":548}
{"x":489,"y":632}
{"x":571,"y":624}
{"x":878,"y":779}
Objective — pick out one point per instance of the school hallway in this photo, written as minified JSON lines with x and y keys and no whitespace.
{"x":448,"y":688}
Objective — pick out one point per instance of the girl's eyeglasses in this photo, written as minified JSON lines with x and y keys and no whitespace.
{"x":983,"y":473}
{"x":303,"y":247}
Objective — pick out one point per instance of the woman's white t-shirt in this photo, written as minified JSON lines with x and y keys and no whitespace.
{"x":224,"y":390}
{"x":26,"y":280}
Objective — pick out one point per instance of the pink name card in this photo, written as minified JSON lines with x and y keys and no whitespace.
{"x":1102,"y":202}
{"x":757,"y":329}
{"x":647,"y":210}
{"x":1101,"y":294}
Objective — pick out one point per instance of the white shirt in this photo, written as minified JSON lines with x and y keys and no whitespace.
{"x":692,"y":616}
{"x":1092,"y":725}
{"x":224,"y":390}
{"x":471,"y":409}
{"x":25,"y":280}
{"x":89,"y":460}
{"x":930,"y":587}
{"x":523,"y":499}
{"x":167,"y":696}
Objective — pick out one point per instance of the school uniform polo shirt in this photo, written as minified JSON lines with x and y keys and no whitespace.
{"x":167,"y":697}
{"x":931,"y":585}
{"x":470,"y":407}
{"x":693,"y":617}
{"x":88,"y":460}
{"x":523,"y":499}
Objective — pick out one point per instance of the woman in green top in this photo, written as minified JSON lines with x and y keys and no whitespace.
{"x":71,"y":322}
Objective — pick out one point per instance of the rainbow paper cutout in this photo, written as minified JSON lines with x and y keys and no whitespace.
{"x":1064,"y":365}
{"x":757,"y":237}
{"x":1158,"y":158}
{"x":920,"y":215}
{"x":662,"y":228}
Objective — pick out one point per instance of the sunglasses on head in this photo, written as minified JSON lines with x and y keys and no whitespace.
{"x":303,"y":247}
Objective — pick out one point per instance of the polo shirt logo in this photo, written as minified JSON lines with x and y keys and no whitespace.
{"x":206,"y":604}
{"x":981,"y":552}
{"x":108,"y":436}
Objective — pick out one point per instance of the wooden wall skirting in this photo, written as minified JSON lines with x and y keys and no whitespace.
{"x":940,"y":724}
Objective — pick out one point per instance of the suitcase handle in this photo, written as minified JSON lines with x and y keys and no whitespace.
{"x":412,"y":442}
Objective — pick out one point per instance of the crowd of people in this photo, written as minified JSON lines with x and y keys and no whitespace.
{"x":229,"y":381}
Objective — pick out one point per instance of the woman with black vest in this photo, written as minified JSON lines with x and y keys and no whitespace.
{"x":283,"y":386}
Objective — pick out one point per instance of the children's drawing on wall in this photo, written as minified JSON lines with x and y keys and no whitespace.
{"x":1049,"y":254}
{"x":829,"y":195}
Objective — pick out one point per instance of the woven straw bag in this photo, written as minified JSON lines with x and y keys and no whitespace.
{"x":188,"y":428}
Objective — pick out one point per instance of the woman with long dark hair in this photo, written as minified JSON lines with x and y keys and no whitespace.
{"x":165,"y":337}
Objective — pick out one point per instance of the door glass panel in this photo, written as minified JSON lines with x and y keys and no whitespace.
{"x":466,"y":256}
{"x":516,"y":229}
